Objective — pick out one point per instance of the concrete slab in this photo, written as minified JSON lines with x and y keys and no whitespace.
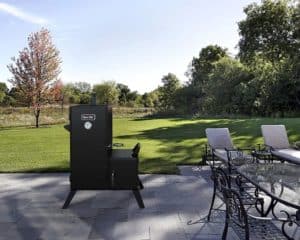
{"x":7,"y":214}
{"x":112,"y":199}
{"x":114,"y":224}
{"x":176,"y":208}
{"x":10,"y":232}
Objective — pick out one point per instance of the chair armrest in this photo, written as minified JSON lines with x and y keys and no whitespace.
{"x":282,"y":219}
{"x":231,"y":149}
{"x":250,"y":148}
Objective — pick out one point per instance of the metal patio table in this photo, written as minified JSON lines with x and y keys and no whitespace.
{"x":281,"y":182}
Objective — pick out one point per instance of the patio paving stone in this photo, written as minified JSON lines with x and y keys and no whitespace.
{"x":176,"y":209}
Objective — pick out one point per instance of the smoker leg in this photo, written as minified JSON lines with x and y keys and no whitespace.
{"x":69,"y":199}
{"x":140,"y":183}
{"x":139,"y":198}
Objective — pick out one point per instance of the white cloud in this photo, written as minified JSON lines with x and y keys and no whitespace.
{"x":16,"y":12}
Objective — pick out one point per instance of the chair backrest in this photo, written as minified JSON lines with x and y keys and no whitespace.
{"x":219,"y":138}
{"x":220,"y":178}
{"x":136,"y":150}
{"x":275,"y":136}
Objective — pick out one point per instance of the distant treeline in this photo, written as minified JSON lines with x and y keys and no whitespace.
{"x":54,"y":114}
{"x":263,"y":79}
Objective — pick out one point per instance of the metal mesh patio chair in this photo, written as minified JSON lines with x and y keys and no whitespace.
{"x":222,"y":149}
{"x":224,"y":154}
{"x":275,"y":137}
{"x":246,"y":226}
{"x":222,"y":180}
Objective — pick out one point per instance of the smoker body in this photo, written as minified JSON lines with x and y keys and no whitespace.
{"x":90,"y":146}
{"x":94,"y":164}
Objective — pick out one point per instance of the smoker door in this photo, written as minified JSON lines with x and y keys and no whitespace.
{"x":124,"y":169}
{"x":90,"y":137}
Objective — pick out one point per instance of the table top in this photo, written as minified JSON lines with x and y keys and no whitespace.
{"x":278,"y":180}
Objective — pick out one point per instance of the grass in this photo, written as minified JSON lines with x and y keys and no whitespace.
{"x":165,"y":142}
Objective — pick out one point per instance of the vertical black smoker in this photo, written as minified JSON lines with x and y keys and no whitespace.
{"x":94,"y":164}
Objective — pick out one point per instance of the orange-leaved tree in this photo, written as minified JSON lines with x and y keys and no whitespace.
{"x":36,"y":70}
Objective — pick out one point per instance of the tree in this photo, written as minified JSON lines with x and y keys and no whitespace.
{"x":79,"y":92}
{"x":202,"y":66}
{"x":106,"y":93}
{"x":124,"y":91}
{"x":3,"y":91}
{"x":184,"y":100}
{"x":83,"y":87}
{"x":296,"y":19}
{"x":278,"y":86}
{"x":12,"y":98}
{"x":268,"y":31}
{"x":225,"y":88}
{"x":70,"y":93}
{"x":35,"y":70}
{"x":270,"y":45}
{"x":198,"y":73}
{"x":132,"y":96}
{"x":167,"y":92}
{"x":57,"y":93}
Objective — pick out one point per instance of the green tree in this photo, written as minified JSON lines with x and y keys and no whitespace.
{"x":71,"y":94}
{"x":3,"y":91}
{"x":78,"y":92}
{"x":150,"y":99}
{"x":202,"y":66}
{"x":35,"y":70}
{"x":132,"y":96}
{"x":167,"y":92}
{"x":296,"y":21}
{"x":106,"y":92}
{"x":268,"y":31}
{"x":124,"y":92}
{"x":146,"y":100}
{"x":12,"y":98}
{"x":224,"y":94}
{"x":278,"y":87}
{"x":270,"y":45}
{"x":198,"y":73}
{"x":185,"y":100}
{"x":83,"y":87}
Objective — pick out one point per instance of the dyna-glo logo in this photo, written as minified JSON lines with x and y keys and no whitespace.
{"x":88,"y":117}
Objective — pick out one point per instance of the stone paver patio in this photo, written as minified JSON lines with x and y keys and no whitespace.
{"x":176,"y":207}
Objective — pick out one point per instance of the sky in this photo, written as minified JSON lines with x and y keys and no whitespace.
{"x":134,"y":42}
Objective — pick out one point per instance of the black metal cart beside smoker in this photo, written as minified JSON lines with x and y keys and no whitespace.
{"x":95,"y":164}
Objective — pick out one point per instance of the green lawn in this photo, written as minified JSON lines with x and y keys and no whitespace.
{"x":165,"y":142}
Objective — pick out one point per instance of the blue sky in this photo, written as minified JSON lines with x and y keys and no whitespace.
{"x":134,"y":42}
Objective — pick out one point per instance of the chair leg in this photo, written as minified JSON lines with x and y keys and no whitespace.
{"x":247,"y":236}
{"x":140,"y":183}
{"x":224,"y":235}
{"x":212,"y":203}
